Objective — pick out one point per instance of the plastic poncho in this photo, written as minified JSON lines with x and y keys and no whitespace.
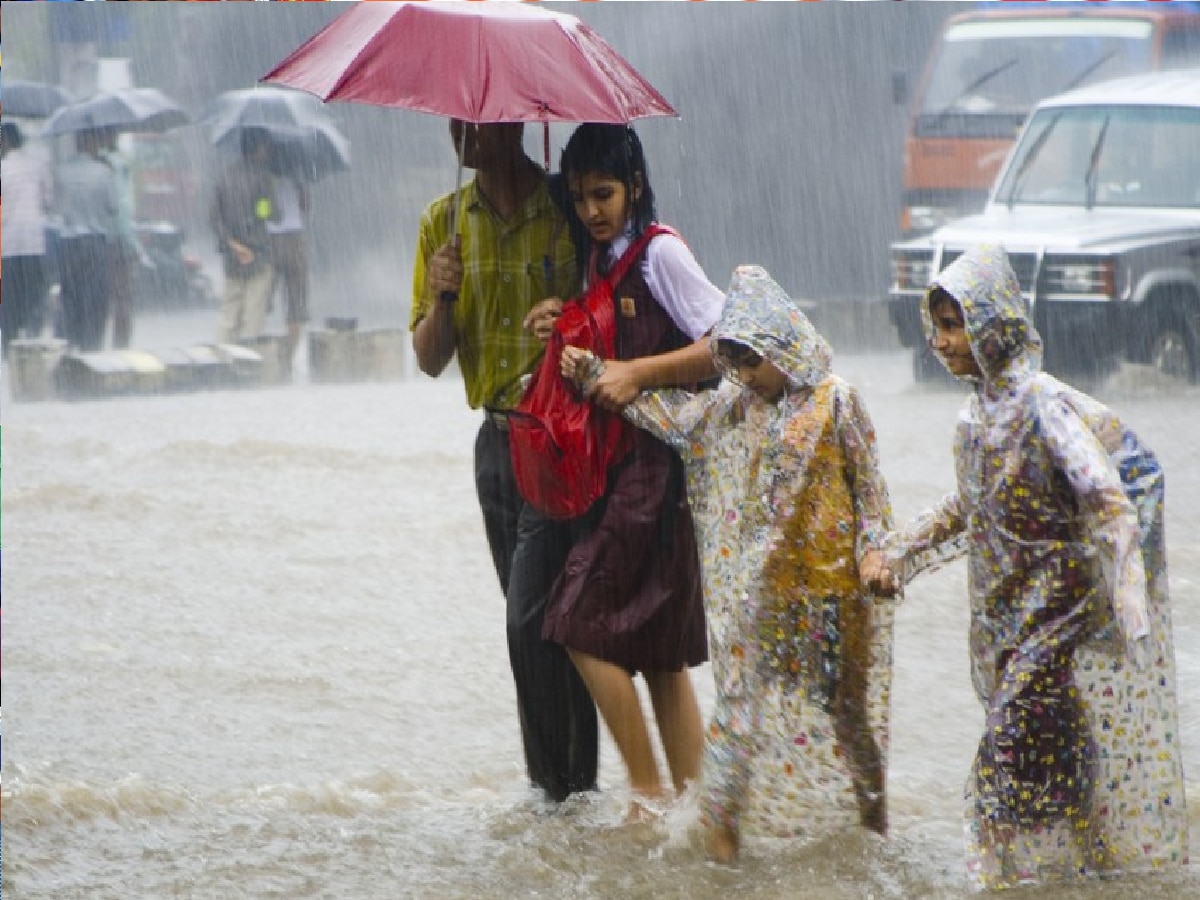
{"x":1059,"y":510}
{"x":786,"y":497}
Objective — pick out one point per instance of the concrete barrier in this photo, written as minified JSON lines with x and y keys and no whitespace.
{"x":274,"y":366}
{"x":109,"y":374}
{"x":31,"y":365}
{"x":341,"y":355}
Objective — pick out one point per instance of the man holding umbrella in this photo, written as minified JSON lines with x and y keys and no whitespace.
{"x":493,"y":257}
{"x":488,"y":257}
{"x":243,"y":204}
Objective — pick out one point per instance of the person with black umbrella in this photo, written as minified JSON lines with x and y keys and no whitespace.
{"x":243,"y":204}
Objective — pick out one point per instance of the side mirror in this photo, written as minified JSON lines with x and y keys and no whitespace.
{"x":899,"y":88}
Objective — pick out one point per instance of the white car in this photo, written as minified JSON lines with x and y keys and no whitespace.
{"x":1098,"y":207}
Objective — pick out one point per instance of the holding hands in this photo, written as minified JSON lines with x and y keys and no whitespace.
{"x":878,"y":576}
{"x":609,"y":383}
{"x":581,"y":366}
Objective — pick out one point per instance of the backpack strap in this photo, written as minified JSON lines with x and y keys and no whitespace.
{"x":634,"y":251}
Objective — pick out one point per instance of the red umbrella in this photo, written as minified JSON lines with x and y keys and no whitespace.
{"x":479,"y":62}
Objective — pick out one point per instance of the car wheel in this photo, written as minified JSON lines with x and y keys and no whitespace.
{"x":1173,"y":352}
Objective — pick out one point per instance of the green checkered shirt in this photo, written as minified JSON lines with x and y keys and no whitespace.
{"x":503,"y":278}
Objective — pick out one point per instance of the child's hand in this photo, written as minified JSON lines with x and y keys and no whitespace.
{"x":581,"y":366}
{"x":571,"y":363}
{"x":617,"y":386}
{"x":877,"y":574}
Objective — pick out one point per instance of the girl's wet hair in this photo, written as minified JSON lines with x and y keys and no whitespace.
{"x":613,"y":151}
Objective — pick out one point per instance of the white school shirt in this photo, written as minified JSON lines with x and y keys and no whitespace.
{"x":677,"y":282}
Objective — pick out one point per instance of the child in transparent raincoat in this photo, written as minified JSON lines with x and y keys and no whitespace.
{"x":788,"y":501}
{"x":1059,"y":510}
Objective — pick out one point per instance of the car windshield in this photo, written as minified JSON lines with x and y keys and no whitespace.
{"x":1107,"y":156}
{"x":996,"y":70}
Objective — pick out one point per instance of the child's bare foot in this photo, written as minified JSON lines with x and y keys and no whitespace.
{"x":874,"y":813}
{"x":643,"y":810}
{"x":875,"y":816}
{"x":721,"y":844}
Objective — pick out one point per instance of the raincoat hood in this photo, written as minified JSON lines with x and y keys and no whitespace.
{"x":759,"y":314}
{"x":1001,"y":334}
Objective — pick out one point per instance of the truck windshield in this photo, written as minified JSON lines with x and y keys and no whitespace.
{"x":990,"y":72}
{"x":1106,"y":156}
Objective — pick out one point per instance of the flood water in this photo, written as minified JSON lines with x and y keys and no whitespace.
{"x":255,"y":649}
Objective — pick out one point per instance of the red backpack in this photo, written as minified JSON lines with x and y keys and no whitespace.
{"x":561,"y":443}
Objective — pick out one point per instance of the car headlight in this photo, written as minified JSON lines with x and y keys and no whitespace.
{"x":1081,"y":278}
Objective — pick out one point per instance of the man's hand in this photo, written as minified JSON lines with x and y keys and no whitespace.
{"x":445,"y":272}
{"x":243,"y":254}
{"x":540,"y":320}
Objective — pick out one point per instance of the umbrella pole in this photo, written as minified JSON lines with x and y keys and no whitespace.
{"x":547,"y":260}
{"x":454,"y":202}
{"x":462,"y":148}
{"x":451,"y":296}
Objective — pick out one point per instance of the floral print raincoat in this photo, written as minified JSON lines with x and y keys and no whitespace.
{"x":1059,"y":511}
{"x":786,"y":498}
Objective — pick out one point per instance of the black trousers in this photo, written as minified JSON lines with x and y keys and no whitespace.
{"x":559,"y":729}
{"x":85,"y":264}
{"x":24,"y":298}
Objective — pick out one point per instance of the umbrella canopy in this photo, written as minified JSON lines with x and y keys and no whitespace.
{"x":307,"y":152}
{"x":480,"y":62}
{"x":127,"y":109}
{"x":32,"y":99}
{"x":307,"y":143}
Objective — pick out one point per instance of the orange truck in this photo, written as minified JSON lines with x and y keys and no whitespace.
{"x":989,"y":67}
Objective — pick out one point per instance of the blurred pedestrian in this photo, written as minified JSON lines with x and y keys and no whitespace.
{"x":29,"y":186}
{"x":243,"y":203}
{"x":629,"y":598}
{"x":128,"y":252}
{"x":289,"y":257}
{"x":474,"y":284}
{"x":86,"y":200}
{"x":1059,"y":511}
